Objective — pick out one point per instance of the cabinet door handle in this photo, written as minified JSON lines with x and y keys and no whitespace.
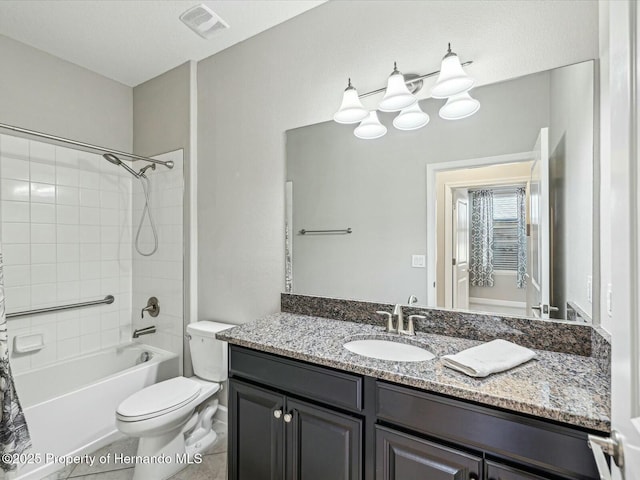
{"x":287,"y":417}
{"x":277,"y":413}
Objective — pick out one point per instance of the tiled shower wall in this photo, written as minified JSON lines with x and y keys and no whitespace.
{"x":66,"y":237}
{"x":161,"y":275}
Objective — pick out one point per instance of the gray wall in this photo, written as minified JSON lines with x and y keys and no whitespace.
{"x":294,"y":74}
{"x":378,"y":188}
{"x":162,"y":123}
{"x":41,"y":92}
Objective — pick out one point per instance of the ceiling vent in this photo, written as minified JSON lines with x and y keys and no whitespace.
{"x":204,"y":21}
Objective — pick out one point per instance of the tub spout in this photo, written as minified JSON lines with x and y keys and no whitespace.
{"x":144,"y":331}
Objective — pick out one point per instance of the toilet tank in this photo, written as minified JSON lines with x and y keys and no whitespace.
{"x":208,"y":355}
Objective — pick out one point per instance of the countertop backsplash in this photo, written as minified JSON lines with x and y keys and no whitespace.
{"x":555,"y":335}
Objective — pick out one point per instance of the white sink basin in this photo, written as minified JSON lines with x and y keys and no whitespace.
{"x":388,"y":350}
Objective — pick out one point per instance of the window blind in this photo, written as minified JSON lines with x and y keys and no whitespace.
{"x":505,"y":230}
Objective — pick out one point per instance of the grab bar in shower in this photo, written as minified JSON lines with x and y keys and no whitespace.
{"x":106,"y":300}
{"x":340,"y":231}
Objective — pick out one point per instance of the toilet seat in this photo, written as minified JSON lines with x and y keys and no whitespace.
{"x":158,"y":399}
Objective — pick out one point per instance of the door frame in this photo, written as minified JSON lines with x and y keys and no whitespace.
{"x":432,"y":208}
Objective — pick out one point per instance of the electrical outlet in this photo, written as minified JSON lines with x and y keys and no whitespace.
{"x":590,"y":288}
{"x":609,"y":299}
{"x":418,"y":261}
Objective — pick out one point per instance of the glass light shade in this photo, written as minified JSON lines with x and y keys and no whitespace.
{"x":351,"y":109}
{"x":459,"y":106}
{"x":452,"y":79}
{"x":397,"y":96}
{"x":370,"y":128}
{"x":411,"y":118}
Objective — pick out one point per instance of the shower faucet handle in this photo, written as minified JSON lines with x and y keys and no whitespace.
{"x":153,"y":307}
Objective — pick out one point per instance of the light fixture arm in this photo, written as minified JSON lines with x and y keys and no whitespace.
{"x":409,"y":82}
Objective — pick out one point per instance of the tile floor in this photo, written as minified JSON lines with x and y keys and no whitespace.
{"x":213,"y":466}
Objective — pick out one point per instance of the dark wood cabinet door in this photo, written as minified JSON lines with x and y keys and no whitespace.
{"x":256,"y":436}
{"x":403,"y":457}
{"x":322,"y":444}
{"x":497,"y":471}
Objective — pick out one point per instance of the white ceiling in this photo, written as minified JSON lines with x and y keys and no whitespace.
{"x":132,"y":41}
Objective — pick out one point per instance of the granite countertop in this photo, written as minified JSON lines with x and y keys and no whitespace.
{"x":566,"y":388}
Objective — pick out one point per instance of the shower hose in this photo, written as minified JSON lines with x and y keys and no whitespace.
{"x":146,"y":211}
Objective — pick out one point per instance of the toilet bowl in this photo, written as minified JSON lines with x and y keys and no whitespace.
{"x":173,"y":419}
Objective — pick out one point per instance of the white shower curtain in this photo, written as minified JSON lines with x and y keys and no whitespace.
{"x":14,"y":434}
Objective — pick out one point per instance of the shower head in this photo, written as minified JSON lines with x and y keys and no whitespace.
{"x":116,"y":161}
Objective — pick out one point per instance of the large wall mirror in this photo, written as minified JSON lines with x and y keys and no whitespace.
{"x":492,"y":213}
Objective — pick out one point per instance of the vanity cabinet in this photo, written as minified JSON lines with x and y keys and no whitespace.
{"x":273,"y":435}
{"x":293,"y":420}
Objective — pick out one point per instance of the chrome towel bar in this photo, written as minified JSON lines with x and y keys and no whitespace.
{"x":106,"y":300}
{"x":341,"y":231}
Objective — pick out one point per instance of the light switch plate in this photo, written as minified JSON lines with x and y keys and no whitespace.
{"x":418,"y":261}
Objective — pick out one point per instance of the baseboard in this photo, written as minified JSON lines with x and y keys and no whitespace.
{"x":496,"y":302}
{"x":222,"y":414}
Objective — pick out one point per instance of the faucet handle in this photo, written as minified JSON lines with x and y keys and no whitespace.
{"x":411,"y":330}
{"x":390,"y":328}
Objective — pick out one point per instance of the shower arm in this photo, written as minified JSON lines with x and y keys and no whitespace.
{"x":86,"y":146}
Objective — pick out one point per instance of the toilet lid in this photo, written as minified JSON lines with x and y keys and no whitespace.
{"x":158,"y":399}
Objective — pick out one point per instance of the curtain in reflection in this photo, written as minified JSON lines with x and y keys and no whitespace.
{"x":14,"y":434}
{"x":521,"y":278}
{"x":481,"y":267}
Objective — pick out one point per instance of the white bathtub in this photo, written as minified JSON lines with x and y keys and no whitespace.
{"x":70,"y":406}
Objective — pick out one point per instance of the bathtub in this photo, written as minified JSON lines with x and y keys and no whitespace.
{"x":70,"y":406}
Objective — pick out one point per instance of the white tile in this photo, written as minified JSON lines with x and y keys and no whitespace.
{"x":43,"y":193}
{"x":109,"y":269}
{"x":67,"y":215}
{"x":17,"y":275}
{"x":68,"y":252}
{"x":17,"y":298}
{"x":15,"y":147}
{"x":17,"y":190}
{"x":109,"y":320}
{"x":109,"y":181}
{"x":42,"y":172}
{"x":42,"y":152}
{"x":68,"y":196}
{"x":67,"y":176}
{"x":15,"y":211}
{"x":68,"y":291}
{"x":89,"y":197}
{"x":43,"y":233}
{"x":89,"y":270}
{"x":110,"y":251}
{"x":68,"y":272}
{"x":68,"y":328}
{"x":68,"y":348}
{"x":67,"y":157}
{"x":89,"y":324}
{"x":43,"y":213}
{"x":45,"y":253}
{"x":109,"y":286}
{"x":89,"y":252}
{"x":90,"y":343}
{"x":15,"y":232}
{"x":45,"y":294}
{"x":48,"y":354}
{"x":109,"y":199}
{"x":89,"y":234}
{"x":109,"y":338}
{"x":14,"y":168}
{"x":16,"y":254}
{"x":68,"y":234}
{"x":109,"y":217}
{"x":44,"y":319}
{"x":90,"y":289}
{"x":43,"y":273}
{"x":109,"y":234}
{"x":89,"y":180}
{"x":89,"y":216}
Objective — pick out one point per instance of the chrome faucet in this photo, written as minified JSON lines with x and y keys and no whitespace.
{"x":412,"y":299}
{"x":397,"y":312}
{"x":144,"y":331}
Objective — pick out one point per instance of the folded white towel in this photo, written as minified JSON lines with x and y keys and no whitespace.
{"x":488,"y":358}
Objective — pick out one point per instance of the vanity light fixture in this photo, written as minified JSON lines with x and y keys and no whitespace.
{"x":452,"y":84}
{"x":411,"y":118}
{"x":397,"y":96}
{"x":370,"y":127}
{"x":351,"y":109}
{"x":452,"y":79}
{"x":459,"y":106}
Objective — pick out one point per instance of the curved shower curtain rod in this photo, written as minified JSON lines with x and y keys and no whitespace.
{"x":87,"y":146}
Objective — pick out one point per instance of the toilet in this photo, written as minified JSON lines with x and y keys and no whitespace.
{"x":164,"y":415}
